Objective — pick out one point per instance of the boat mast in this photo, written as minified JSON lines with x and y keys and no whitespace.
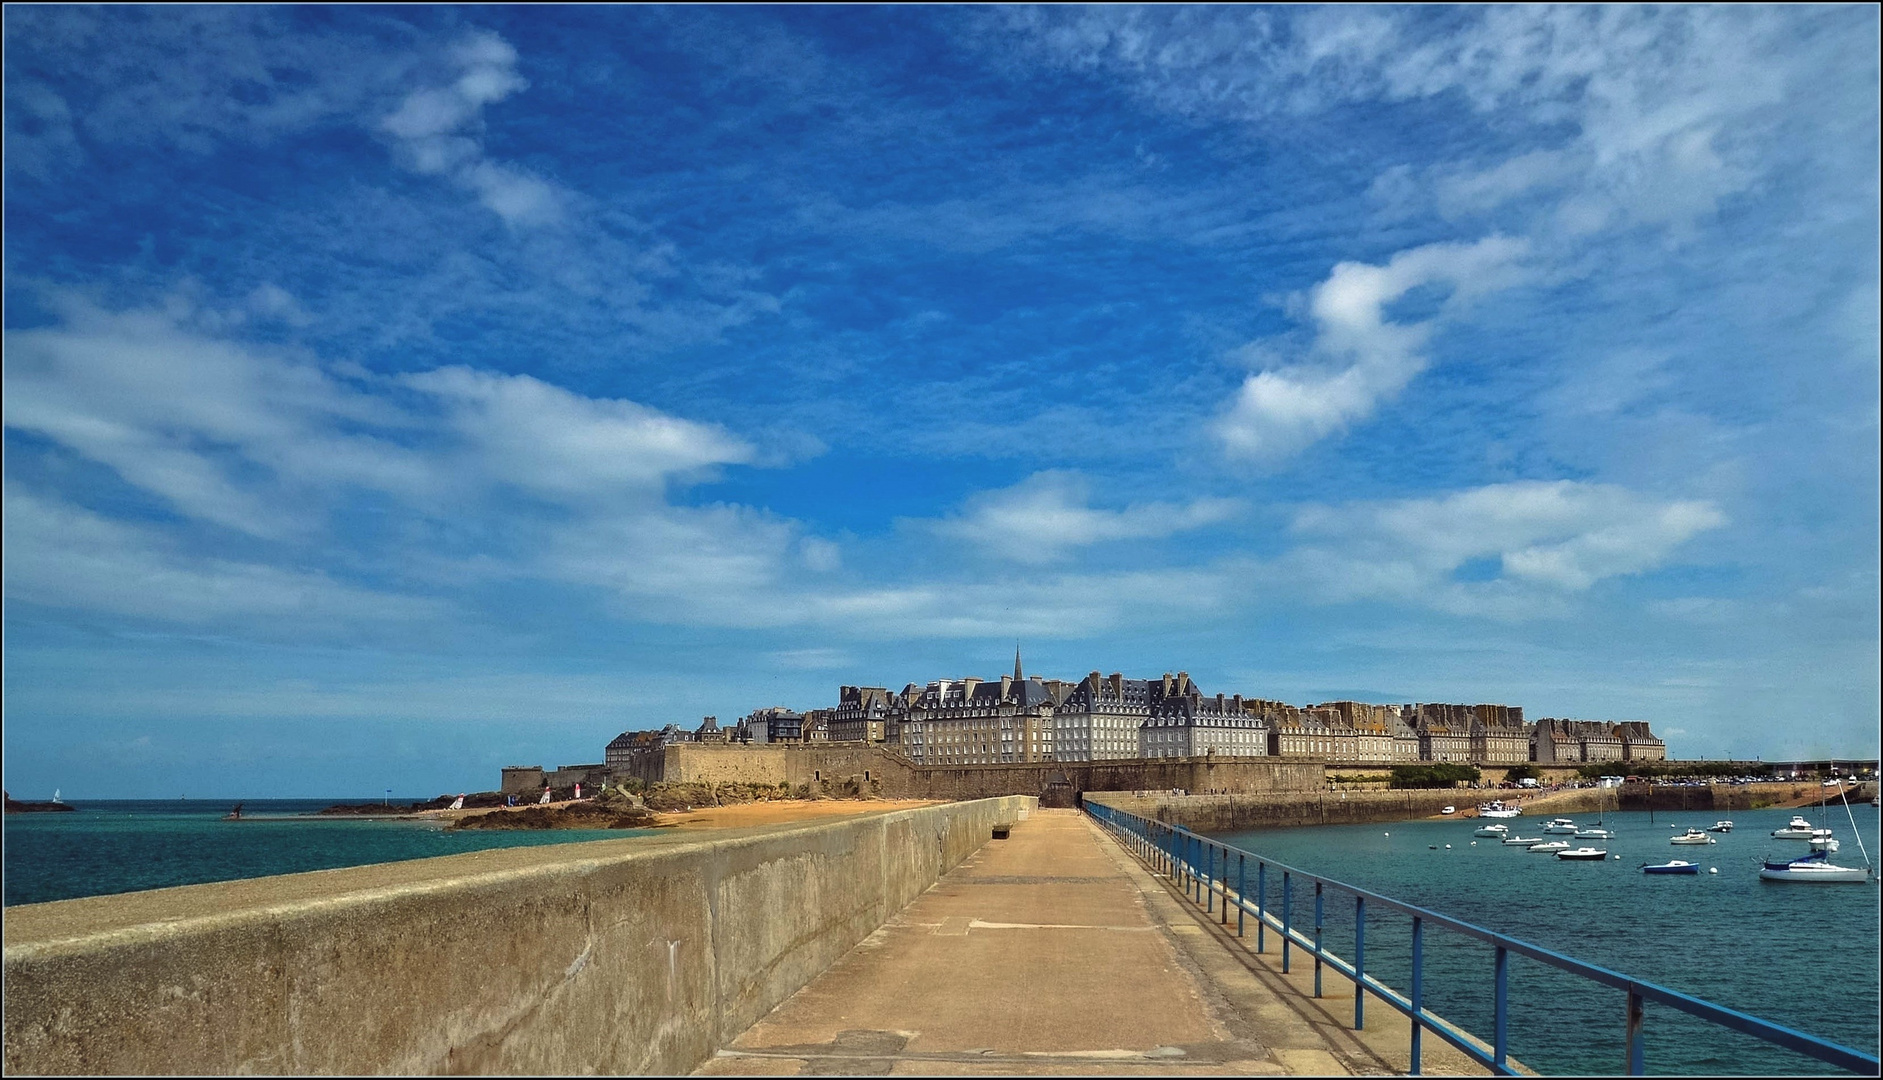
{"x":1853,"y":828}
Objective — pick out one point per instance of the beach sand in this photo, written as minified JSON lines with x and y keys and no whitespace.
{"x":740,"y":815}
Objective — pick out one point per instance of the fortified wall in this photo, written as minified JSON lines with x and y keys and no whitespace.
{"x":630,"y":956}
{"x":879,"y":771}
{"x":1228,"y":813}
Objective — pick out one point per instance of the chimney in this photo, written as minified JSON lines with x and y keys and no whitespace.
{"x":1117,"y":686}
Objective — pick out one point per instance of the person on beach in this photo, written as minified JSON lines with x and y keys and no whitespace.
{"x":544,"y":801}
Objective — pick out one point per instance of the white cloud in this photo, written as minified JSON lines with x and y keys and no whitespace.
{"x":61,"y":556}
{"x":1360,"y":357}
{"x":1539,"y":542}
{"x":1045,"y":516}
{"x":436,"y":130}
{"x":542,"y":438}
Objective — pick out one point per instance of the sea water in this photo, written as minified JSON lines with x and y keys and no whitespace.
{"x":114,"y":846}
{"x":1801,"y":955}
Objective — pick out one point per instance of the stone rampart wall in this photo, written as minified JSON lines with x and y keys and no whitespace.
{"x":640,"y":955}
{"x":886,"y":773}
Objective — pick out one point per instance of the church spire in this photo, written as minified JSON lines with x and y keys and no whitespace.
{"x":1017,"y":677}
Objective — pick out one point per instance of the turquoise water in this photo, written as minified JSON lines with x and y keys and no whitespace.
{"x":1805,"y":956}
{"x":114,"y":846}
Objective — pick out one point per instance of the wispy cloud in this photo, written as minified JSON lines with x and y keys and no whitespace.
{"x":436,"y":130}
{"x":1360,"y":356}
{"x":1048,"y":515}
{"x":1534,"y":542}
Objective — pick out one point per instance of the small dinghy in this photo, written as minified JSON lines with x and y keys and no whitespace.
{"x":1550,"y":848}
{"x":1673,"y":866}
{"x":1522,"y":841}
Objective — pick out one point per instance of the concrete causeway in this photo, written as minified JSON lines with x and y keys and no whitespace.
{"x":1056,"y":952}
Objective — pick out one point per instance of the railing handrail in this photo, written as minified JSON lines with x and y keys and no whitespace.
{"x":1638,"y":990}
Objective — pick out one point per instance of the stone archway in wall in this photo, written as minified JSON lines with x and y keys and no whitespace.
{"x":1058,"y":792}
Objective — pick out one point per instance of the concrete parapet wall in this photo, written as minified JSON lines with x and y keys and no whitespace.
{"x":640,"y":955}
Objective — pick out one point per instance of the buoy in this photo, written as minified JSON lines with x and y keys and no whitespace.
{"x":1616,"y":856}
{"x":1474,"y":843}
{"x":1389,"y":834}
{"x":1447,"y":847}
{"x":1712,"y":869}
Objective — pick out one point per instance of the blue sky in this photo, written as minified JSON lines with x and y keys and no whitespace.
{"x":393,"y":394}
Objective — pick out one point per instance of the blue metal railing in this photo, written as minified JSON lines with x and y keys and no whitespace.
{"x":1199,"y":866}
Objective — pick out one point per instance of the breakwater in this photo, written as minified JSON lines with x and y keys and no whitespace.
{"x":621,"y":956}
{"x":1728,"y":797}
{"x":1224,"y":813}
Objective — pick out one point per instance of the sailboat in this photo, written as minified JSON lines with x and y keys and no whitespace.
{"x":1815,"y":865}
{"x":1598,"y":831}
{"x":234,"y":814}
{"x":458,"y":803}
{"x":55,"y":797}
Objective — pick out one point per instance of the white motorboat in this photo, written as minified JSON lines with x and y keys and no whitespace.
{"x":1826,"y":844}
{"x":1797,"y":829}
{"x":1692,"y":836}
{"x":1720,"y":826}
{"x":1588,"y":853}
{"x":1496,"y":809}
{"x":1595,"y":832}
{"x":1496,"y":831}
{"x":1561,"y":826}
{"x":1551,"y":848}
{"x":1522,"y":841}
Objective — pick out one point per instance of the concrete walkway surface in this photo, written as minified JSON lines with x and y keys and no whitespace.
{"x":1055,"y":952}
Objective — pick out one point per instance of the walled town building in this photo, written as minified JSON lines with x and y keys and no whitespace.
{"x":1499,"y":735}
{"x":709,"y":731}
{"x":864,"y":713}
{"x":1638,"y":743}
{"x":1184,"y":723}
{"x":1374,"y":731}
{"x":1100,"y":718}
{"x":1551,"y":743}
{"x":1444,"y":731}
{"x":978,"y":722}
{"x":776,"y":724}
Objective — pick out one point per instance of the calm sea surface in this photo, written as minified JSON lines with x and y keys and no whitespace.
{"x":114,"y":846}
{"x":1802,"y":955}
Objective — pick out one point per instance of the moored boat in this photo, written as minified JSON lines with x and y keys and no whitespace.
{"x":1522,"y":841}
{"x":1583,"y":853}
{"x":1551,"y":847}
{"x":1692,"y":836}
{"x":1672,"y":866}
{"x":1812,"y":867}
{"x":1595,"y":832}
{"x":1720,"y":826}
{"x":1560,"y":826}
{"x":1797,"y":829}
{"x":1492,"y":830}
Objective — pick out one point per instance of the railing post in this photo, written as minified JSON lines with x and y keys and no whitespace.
{"x":1287,"y":911}
{"x":1224,"y":909}
{"x":1261,"y":910}
{"x":1209,"y":875}
{"x":1637,"y":1058}
{"x":1418,"y":989}
{"x":1359,"y":963}
{"x":1242,"y":889}
{"x":1317,"y":939}
{"x":1502,"y":1019}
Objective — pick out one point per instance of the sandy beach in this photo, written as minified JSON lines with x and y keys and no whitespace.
{"x":739,"y":815}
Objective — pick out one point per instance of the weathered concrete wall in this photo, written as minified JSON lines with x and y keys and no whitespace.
{"x":1727,"y":797}
{"x":639,"y":955}
{"x":1226,"y":813}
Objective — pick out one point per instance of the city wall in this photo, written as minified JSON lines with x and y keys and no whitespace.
{"x":639,"y":955}
{"x":873,"y":769}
